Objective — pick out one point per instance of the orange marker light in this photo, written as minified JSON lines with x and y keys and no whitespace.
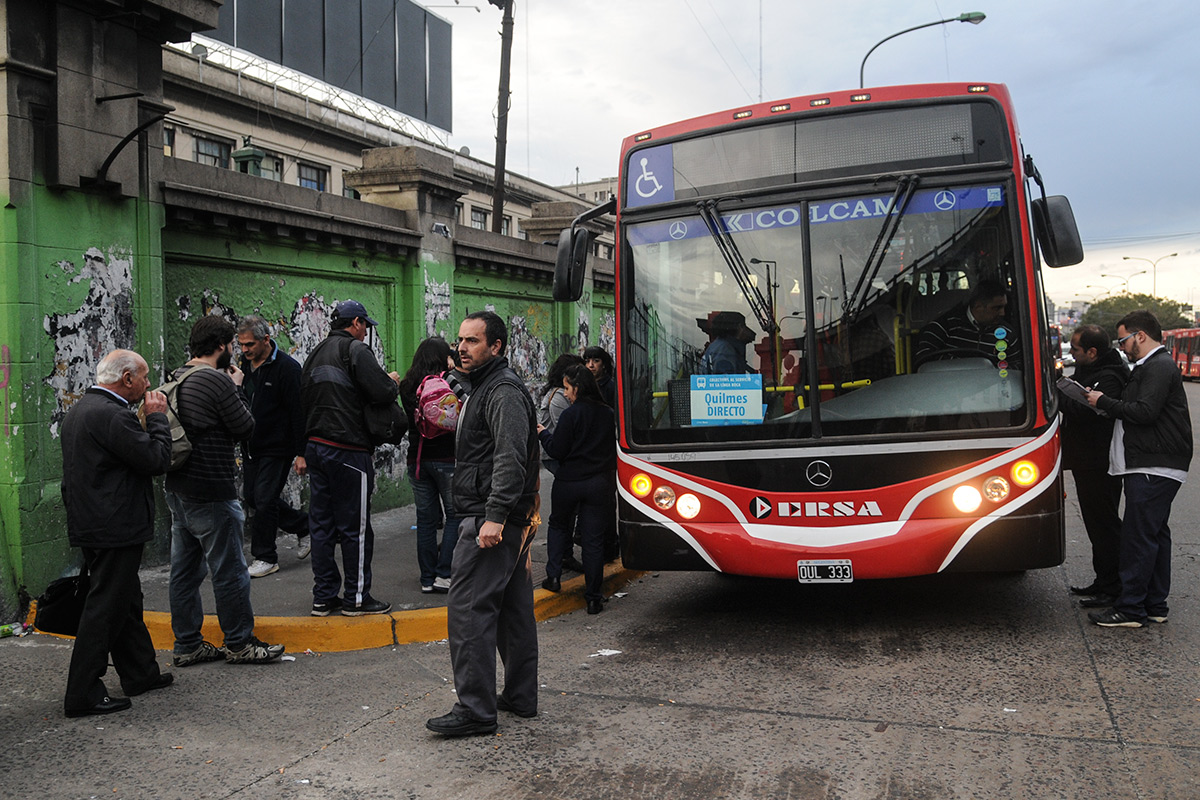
{"x":641,"y":484}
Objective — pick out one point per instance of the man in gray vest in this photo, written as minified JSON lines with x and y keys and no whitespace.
{"x":496,"y":477}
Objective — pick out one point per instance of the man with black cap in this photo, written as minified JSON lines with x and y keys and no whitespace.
{"x":340,"y":377}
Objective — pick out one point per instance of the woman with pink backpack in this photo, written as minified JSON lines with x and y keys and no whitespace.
{"x":429,"y":394}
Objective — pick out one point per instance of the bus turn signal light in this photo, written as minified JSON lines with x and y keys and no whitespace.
{"x":641,"y":484}
{"x":1025,"y":473}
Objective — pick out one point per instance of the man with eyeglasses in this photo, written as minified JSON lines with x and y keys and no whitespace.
{"x":1151,"y":449}
{"x":1086,"y":437}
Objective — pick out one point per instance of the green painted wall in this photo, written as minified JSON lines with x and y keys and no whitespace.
{"x":83,"y":275}
{"x":80,"y":277}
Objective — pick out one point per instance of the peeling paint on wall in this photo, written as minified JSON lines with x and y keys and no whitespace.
{"x":583,"y":330}
{"x":5,"y":377}
{"x":103,"y":322}
{"x":437,"y":306}
{"x":608,"y":332}
{"x":526,"y":353}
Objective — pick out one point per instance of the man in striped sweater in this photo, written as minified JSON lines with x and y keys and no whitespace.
{"x":976,"y":329}
{"x":206,"y":517}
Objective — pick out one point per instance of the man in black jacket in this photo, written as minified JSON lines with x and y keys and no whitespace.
{"x":108,"y":461}
{"x":496,"y":474}
{"x":1151,"y":449}
{"x":1085,"y":439}
{"x":340,"y":377}
{"x":272,"y":385}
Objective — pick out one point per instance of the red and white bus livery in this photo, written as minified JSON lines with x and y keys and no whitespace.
{"x":832,"y":348}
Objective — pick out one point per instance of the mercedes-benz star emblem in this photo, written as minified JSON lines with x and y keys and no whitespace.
{"x":944,"y":200}
{"x":819,"y":473}
{"x":678,"y":229}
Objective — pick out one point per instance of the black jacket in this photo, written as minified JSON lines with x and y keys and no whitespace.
{"x":497,"y":463}
{"x":1153,"y":410}
{"x":1086,"y":434}
{"x":108,"y":462}
{"x":584,"y":442}
{"x":333,"y":399}
{"x":274,"y":394}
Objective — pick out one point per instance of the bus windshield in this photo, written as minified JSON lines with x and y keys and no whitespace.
{"x":834,"y":315}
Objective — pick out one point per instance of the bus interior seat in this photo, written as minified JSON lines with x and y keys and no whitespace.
{"x":955,"y":365}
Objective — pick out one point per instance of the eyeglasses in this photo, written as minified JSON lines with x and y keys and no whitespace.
{"x":1121,"y":341}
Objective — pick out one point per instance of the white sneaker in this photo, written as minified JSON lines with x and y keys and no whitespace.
{"x":441,"y":584}
{"x":304,"y":547}
{"x":261,"y":568}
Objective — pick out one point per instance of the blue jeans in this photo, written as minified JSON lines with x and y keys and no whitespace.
{"x":435,"y":503}
{"x":207,"y":537}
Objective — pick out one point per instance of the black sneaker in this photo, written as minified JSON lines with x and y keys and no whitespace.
{"x":370,"y":606}
{"x":1114,"y":619}
{"x":453,"y":724}
{"x":327,"y":608}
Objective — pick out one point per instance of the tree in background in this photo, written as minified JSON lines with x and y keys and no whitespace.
{"x":1107,"y":312}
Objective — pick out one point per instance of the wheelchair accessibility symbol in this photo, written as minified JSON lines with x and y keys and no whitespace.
{"x":647,"y":185}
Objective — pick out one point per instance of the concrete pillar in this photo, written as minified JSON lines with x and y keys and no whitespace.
{"x":422,"y":184}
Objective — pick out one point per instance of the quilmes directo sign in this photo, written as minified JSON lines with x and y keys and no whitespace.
{"x":930,"y":201}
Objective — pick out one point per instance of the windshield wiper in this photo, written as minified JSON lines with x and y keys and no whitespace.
{"x":906,"y":186}
{"x":737,"y":264}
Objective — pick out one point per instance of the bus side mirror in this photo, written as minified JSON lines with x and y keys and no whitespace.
{"x":1057,"y":234}
{"x":570,"y":264}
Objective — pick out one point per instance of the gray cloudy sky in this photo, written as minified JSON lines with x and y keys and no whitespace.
{"x":1105,"y":93}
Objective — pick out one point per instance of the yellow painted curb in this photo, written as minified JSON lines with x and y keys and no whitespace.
{"x":338,"y":634}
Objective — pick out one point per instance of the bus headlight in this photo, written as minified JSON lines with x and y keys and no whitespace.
{"x":967,"y":499}
{"x":1025,"y":473}
{"x":995,"y":488}
{"x":688,"y":506}
{"x":664,"y":497}
{"x":641,"y":484}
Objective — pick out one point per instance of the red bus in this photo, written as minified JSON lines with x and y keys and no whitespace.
{"x":1184,"y":344}
{"x":780,"y":412}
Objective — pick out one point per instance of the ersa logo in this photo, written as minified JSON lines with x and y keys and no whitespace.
{"x":761,"y":508}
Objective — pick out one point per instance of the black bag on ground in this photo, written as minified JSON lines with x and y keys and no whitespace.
{"x":61,"y":605}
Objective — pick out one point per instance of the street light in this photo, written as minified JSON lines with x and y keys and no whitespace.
{"x":973,"y":17}
{"x":1124,"y":280}
{"x":1154,"y":264}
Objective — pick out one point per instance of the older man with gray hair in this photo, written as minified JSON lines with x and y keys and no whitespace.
{"x":272,"y":387}
{"x":109,"y":459}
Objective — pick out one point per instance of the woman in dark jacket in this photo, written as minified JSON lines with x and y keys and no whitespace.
{"x":431,"y":471}
{"x":585,"y":485}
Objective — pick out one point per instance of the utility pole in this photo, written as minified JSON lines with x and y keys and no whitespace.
{"x":506,"y":36}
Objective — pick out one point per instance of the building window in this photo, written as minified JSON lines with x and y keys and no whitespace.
{"x":348,"y":191}
{"x":272,"y":167}
{"x":506,"y":225}
{"x":213,"y":152}
{"x":168,"y":142}
{"x":313,"y":177}
{"x":479,"y":219}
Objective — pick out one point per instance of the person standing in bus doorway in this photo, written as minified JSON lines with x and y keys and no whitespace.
{"x":585,"y":483}
{"x":1151,"y":450}
{"x":496,"y":481}
{"x":1086,"y":436}
{"x":272,"y":386}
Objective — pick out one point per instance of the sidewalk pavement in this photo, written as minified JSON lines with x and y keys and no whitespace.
{"x":283,"y":600}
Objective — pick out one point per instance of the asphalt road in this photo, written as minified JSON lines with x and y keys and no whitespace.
{"x":689,"y":686}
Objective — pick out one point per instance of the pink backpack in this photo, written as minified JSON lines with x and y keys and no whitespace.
{"x":437,"y":407}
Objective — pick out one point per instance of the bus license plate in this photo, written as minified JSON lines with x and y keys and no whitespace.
{"x":831,"y":570}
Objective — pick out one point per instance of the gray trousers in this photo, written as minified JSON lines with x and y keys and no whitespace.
{"x":490,"y":609}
